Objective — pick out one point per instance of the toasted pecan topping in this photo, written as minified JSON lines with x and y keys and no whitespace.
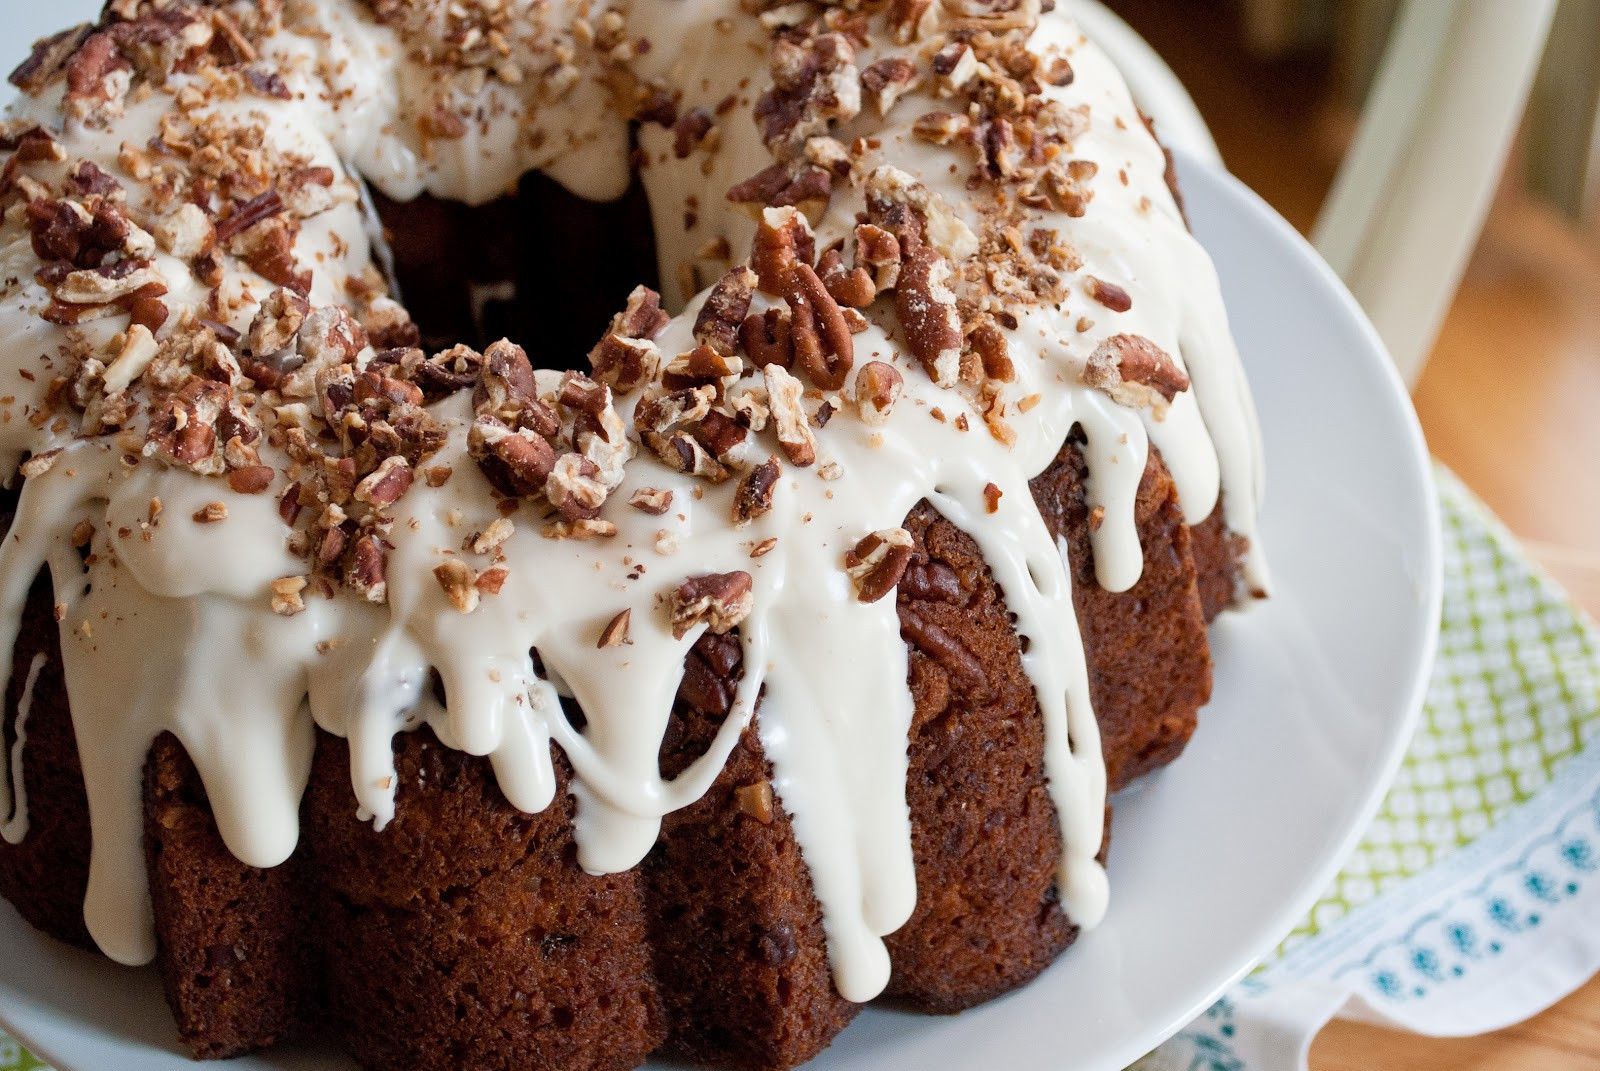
{"x":753,"y":497}
{"x":1135,"y":372}
{"x":617,"y":632}
{"x":877,"y":562}
{"x":878,"y":386}
{"x":720,"y":601}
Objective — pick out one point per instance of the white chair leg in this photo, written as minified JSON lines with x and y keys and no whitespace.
{"x":1410,"y":199}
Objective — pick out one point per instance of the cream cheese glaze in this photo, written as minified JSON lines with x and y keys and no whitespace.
{"x":168,"y":624}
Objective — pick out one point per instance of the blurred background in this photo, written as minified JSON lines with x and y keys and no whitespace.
{"x":1510,"y":390}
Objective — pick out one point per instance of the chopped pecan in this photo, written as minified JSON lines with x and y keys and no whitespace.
{"x":458,"y":581}
{"x":185,"y":232}
{"x":878,"y":386}
{"x":911,"y":20}
{"x":784,"y":394}
{"x":365,"y":573}
{"x":251,"y":480}
{"x":807,"y":187}
{"x":926,"y":307}
{"x":625,"y":356}
{"x":651,"y":500}
{"x":507,"y":386}
{"x":617,"y":632}
{"x":685,"y":453}
{"x":823,"y":346}
{"x":853,"y":287}
{"x":573,"y":489}
{"x":878,"y":252}
{"x":582,"y":528}
{"x":248,"y":213}
{"x":954,"y":65}
{"x":814,"y":83}
{"x":276,"y":324}
{"x":722,"y":436}
{"x":887,"y":80}
{"x":49,"y":58}
{"x":1110,"y":295}
{"x":516,"y":462}
{"x":385,"y":484}
{"x":766,"y":337}
{"x":878,"y":561}
{"x":286,"y":598}
{"x":717,"y":324}
{"x":753,"y":497}
{"x":1135,"y":372}
{"x":211,"y":513}
{"x":701,"y":366}
{"x":783,"y":241}
{"x":689,"y":131}
{"x":989,"y":342}
{"x":941,"y":128}
{"x":494,"y":536}
{"x":720,"y":601}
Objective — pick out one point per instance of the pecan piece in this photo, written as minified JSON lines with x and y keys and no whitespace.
{"x":573,"y":489}
{"x":753,"y":497}
{"x":767,"y":338}
{"x":887,"y":80}
{"x":926,"y":307}
{"x":717,"y":324}
{"x":49,"y":58}
{"x":853,"y":287}
{"x":1110,"y":295}
{"x":651,"y":500}
{"x":617,"y":631}
{"x":783,"y":241}
{"x":251,"y":480}
{"x":814,"y":83}
{"x":823,"y":346}
{"x":784,"y":394}
{"x":720,"y":601}
{"x":459,"y":583}
{"x":384,"y":485}
{"x":878,"y":386}
{"x":625,"y":356}
{"x":878,"y":561}
{"x":1135,"y":372}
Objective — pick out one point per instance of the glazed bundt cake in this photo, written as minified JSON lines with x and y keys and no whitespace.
{"x":548,"y":703}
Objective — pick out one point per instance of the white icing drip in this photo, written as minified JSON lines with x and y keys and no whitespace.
{"x":242,"y":687}
{"x":14,"y":793}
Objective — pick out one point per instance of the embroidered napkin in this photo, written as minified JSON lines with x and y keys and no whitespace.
{"x":1472,"y":901}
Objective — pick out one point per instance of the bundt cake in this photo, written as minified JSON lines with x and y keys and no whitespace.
{"x":548,"y":703}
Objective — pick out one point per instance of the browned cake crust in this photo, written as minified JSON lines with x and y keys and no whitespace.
{"x":45,"y":876}
{"x":1149,"y":662}
{"x":465,"y":935}
{"x":984,"y":833}
{"x":235,"y":953}
{"x":1216,"y":558}
{"x":739,"y":946}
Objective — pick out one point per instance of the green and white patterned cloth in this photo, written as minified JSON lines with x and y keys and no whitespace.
{"x":1472,"y":901}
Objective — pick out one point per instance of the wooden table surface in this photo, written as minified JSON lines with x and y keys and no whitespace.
{"x":1507,"y":401}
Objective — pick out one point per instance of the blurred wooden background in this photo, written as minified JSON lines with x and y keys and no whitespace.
{"x":1509,"y":396}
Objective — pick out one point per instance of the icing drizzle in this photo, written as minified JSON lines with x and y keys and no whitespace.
{"x":243,"y":687}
